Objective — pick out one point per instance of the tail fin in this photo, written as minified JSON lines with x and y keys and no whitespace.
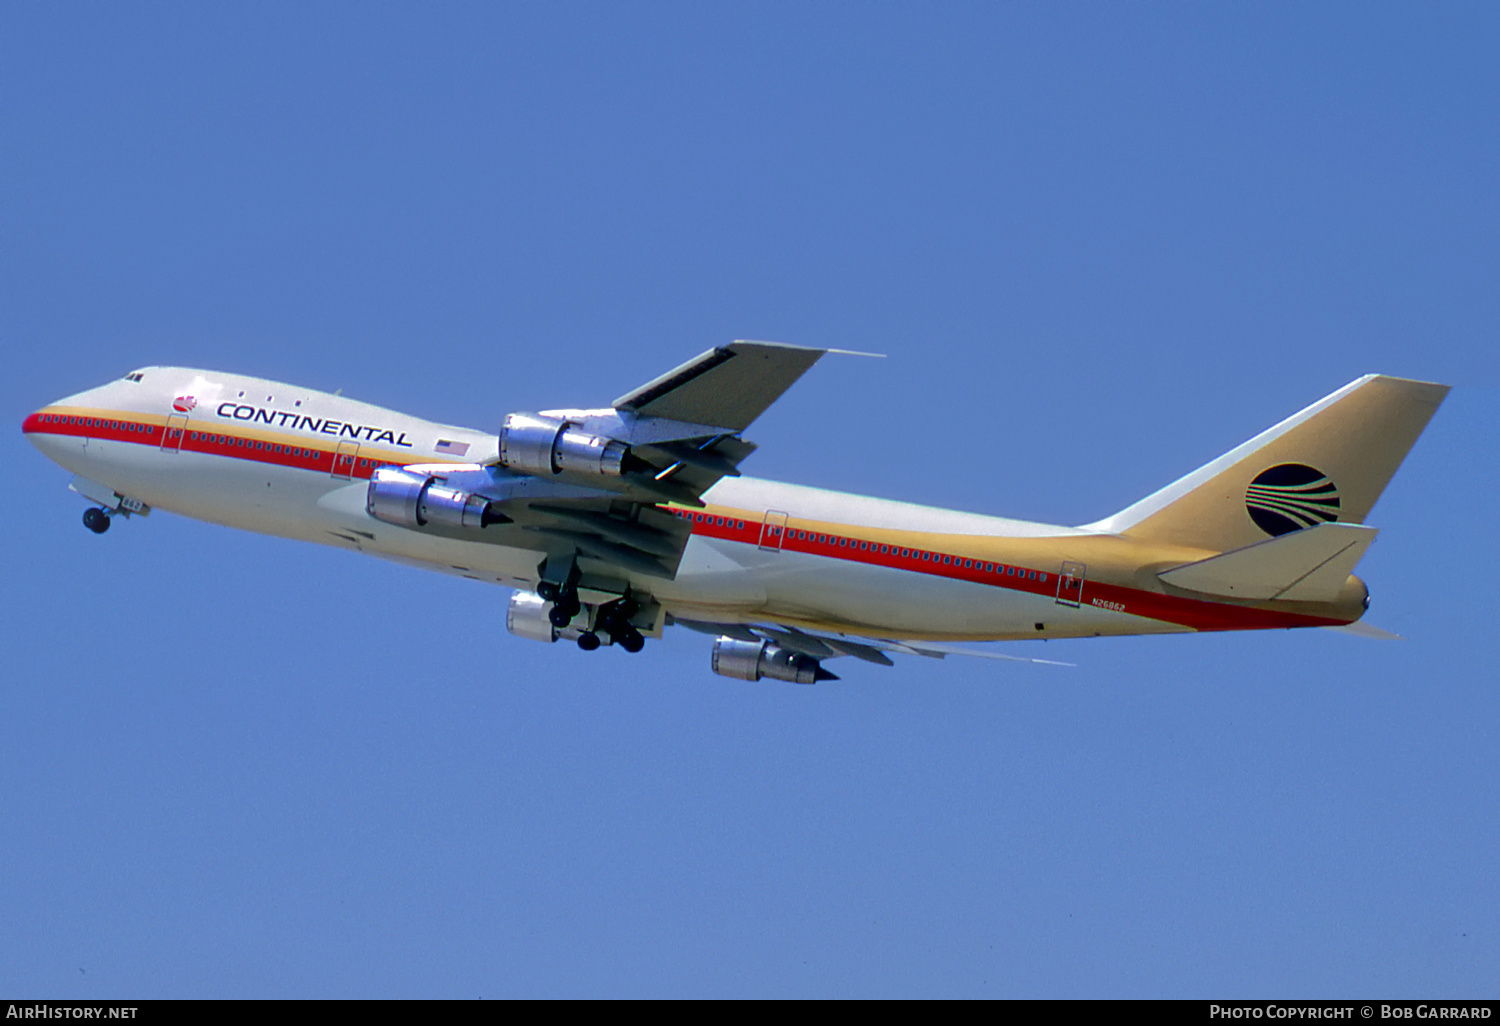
{"x":1327,"y":464}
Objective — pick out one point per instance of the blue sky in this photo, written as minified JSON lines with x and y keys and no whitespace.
{"x":1101,"y":244}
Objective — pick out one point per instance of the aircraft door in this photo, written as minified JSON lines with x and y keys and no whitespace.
{"x":773,"y":531}
{"x":345,"y":459}
{"x":1070,"y":584}
{"x":173,"y":433}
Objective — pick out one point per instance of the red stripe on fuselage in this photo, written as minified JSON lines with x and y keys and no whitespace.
{"x":140,"y":430}
{"x":1198,"y":614}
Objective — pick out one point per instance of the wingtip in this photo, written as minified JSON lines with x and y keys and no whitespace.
{"x":810,"y":349}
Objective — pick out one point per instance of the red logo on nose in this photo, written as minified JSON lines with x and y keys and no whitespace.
{"x":184,"y":403}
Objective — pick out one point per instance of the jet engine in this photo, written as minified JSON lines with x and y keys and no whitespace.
{"x":526,"y":617}
{"x":407,"y":499}
{"x":752,"y":660}
{"x":544,"y":446}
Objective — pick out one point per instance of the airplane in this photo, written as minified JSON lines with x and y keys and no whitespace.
{"x":613,"y":523}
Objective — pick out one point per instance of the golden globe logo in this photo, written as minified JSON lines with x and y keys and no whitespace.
{"x":1291,"y":496}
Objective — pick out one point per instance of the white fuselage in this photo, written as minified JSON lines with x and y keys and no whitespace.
{"x":292,"y":462}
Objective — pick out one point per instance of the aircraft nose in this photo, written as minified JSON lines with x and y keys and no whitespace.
{"x":42,"y":428}
{"x":50,"y":430}
{"x":37,"y":422}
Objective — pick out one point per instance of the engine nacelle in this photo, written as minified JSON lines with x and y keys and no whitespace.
{"x":526,"y":617}
{"x":399,"y":496}
{"x":533,"y":444}
{"x":752,"y":660}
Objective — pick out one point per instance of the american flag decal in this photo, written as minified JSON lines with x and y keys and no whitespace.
{"x":184,"y":403}
{"x":452,"y":448}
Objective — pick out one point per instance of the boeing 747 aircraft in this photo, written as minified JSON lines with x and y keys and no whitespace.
{"x":614,"y":523}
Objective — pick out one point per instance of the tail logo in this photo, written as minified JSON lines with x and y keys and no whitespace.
{"x":1291,"y":496}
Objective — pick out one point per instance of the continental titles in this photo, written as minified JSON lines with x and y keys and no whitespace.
{"x":286,"y":419}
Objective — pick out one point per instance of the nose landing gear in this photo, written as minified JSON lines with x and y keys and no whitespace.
{"x":108,"y":504}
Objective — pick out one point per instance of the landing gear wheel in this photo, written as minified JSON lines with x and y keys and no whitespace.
{"x":614,"y":620}
{"x":588,"y":642}
{"x":96,"y":520}
{"x":564,"y":609}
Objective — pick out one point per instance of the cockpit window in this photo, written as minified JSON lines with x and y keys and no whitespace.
{"x":136,"y":376}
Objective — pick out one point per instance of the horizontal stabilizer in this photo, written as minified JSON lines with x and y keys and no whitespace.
{"x":1360,"y":629}
{"x":1310,"y":565}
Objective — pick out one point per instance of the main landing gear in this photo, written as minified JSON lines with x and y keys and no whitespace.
{"x":614,"y":620}
{"x":96,"y":519}
{"x":564,"y":599}
{"x":611,"y":618}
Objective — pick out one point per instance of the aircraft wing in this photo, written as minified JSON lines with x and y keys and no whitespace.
{"x":684,"y":426}
{"x":820,"y":646}
{"x":587,"y":483}
{"x":728,"y":386}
